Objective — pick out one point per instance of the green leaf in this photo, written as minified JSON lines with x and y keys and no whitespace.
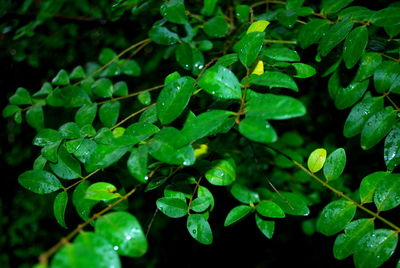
{"x":10,"y":110}
{"x":375,"y":248}
{"x":258,"y":26}
{"x":141,"y":130}
{"x":50,"y":151}
{"x":281,"y":54}
{"x":209,"y":6}
{"x":270,"y":209}
{"x":205,"y":124}
{"x":130,"y":67}
{"x":77,"y":73}
{"x":87,"y":250}
{"x":86,"y":114}
{"x":124,"y":232}
{"x":387,"y":193}
{"x":356,"y":13}
{"x":162,"y":36}
{"x":271,"y":106}
{"x":35,"y":117}
{"x":391,"y":152}
{"x":144,"y":98}
{"x":101,"y":191}
{"x":137,"y":163}
{"x":174,"y":11}
{"x":336,"y":34}
{"x":368,"y":185}
{"x":335,"y":164}
{"x":102,"y":155}
{"x":200,"y":204}
{"x":82,"y":205}
{"x":170,"y":146}
{"x":106,"y":55}
{"x":265,"y":226}
{"x":292,"y":203}
{"x":45,"y":90}
{"x":70,"y":130}
{"x":354,"y":46}
{"x":257,"y":129}
{"x":244,"y":194}
{"x":385,"y":75}
{"x":287,"y":17}
{"x":227,"y":60}
{"x":377,"y":126}
{"x":316,"y":160}
{"x":242,"y":12}
{"x":103,"y":88}
{"x":249,"y":47}
{"x":173,"y":99}
{"x":222,"y":172}
{"x":109,"y":113}
{"x":184,"y":56}
{"x":333,"y":6}
{"x":389,"y":16}
{"x":68,"y":97}
{"x":39,"y":181}
{"x":172,"y":207}
{"x":346,"y":97}
{"x":346,"y":243}
{"x":121,"y":89}
{"x":311,"y":32}
{"x":59,"y":206}
{"x":67,"y":166}
{"x":216,"y":27}
{"x":21,"y":97}
{"x":236,"y":214}
{"x":335,"y":216}
{"x":61,"y":79}
{"x":304,"y":70}
{"x":220,"y":82}
{"x":360,"y":114}
{"x":369,"y":62}
{"x":274,"y":79}
{"x":199,"y":229}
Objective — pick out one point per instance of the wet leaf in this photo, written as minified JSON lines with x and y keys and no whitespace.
{"x":39,"y":181}
{"x":335,"y":216}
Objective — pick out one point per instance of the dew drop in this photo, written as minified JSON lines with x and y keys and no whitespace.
{"x":116,"y":248}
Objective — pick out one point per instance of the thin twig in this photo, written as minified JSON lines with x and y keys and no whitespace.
{"x":131,"y":115}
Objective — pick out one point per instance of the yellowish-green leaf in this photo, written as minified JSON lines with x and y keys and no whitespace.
{"x":316,"y":160}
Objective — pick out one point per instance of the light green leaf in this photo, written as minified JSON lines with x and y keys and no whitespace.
{"x":270,"y":209}
{"x":82,"y":205}
{"x":345,"y":244}
{"x":274,"y":79}
{"x":39,"y":181}
{"x":265,"y":226}
{"x":244,"y":194}
{"x":354,"y":46}
{"x":249,"y":47}
{"x":227,"y":60}
{"x":377,"y":127}
{"x":311,"y":32}
{"x":162,"y":36}
{"x":236,"y":214}
{"x":199,"y":229}
{"x":335,"y":216}
{"x":271,"y":106}
{"x":368,"y":185}
{"x":77,"y":73}
{"x":137,"y":163}
{"x":220,"y":82}
{"x":360,"y":114}
{"x":375,"y":248}
{"x":172,"y":207}
{"x":257,"y":129}
{"x":124,"y":232}
{"x":59,"y":206}
{"x":70,"y":130}
{"x":216,"y":27}
{"x":335,"y":164}
{"x":174,"y":11}
{"x":101,"y":191}
{"x":316,"y":160}
{"x":387,"y":193}
{"x":109,"y":113}
{"x":258,"y":26}
{"x":292,"y":203}
{"x":200,"y":204}
{"x":67,"y":166}
{"x":391,"y":151}
{"x":222,"y":172}
{"x":281,"y":54}
{"x":35,"y":117}
{"x":141,"y":130}
{"x":103,"y":88}
{"x":204,"y":192}
{"x":304,"y":70}
{"x":173,"y":99}
{"x":336,"y":34}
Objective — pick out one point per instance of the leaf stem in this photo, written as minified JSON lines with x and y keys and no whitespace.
{"x":131,"y":115}
{"x":131,"y":94}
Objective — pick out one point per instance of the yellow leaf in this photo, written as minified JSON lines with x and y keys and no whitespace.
{"x":258,"y":26}
{"x":202,"y":150}
{"x":118,"y":132}
{"x":259,"y":69}
{"x":316,"y":160}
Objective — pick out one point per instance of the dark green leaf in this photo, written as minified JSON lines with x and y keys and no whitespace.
{"x":242,"y":12}
{"x":257,"y":129}
{"x":360,"y":114}
{"x":335,"y":164}
{"x":385,"y":75}
{"x":70,"y":130}
{"x":220,"y":82}
{"x":81,"y":148}
{"x":311,"y":32}
{"x":121,"y":89}
{"x":106,"y":55}
{"x":50,"y":151}
{"x":244,"y":194}
{"x":389,"y":16}
{"x":227,"y":60}
{"x":387,"y":193}
{"x":173,"y":99}
{"x":174,"y":11}
{"x":377,"y":127}
{"x":184,"y":56}
{"x":77,"y":73}
{"x":356,"y":13}
{"x":270,"y":209}
{"x":303,"y":70}
{"x":336,"y":34}
{"x":354,"y":46}
{"x":216,"y":27}
{"x":130,"y":67}
{"x":200,"y":204}
{"x":222,"y":172}
{"x":346,"y":97}
{"x":103,"y":88}
{"x":39,"y":181}
{"x":271,"y":106}
{"x":281,"y":54}
{"x":82,"y":205}
{"x":86,"y":114}
{"x":172,"y":207}
{"x":45,"y":90}
{"x":265,"y":226}
{"x":199,"y":229}
{"x":209,"y":6}
{"x":236,"y":214}
{"x":21,"y":97}
{"x":102,"y":156}
{"x":345,"y":244}
{"x":292,"y":203}
{"x":368,"y":185}
{"x":109,"y":113}
{"x":141,"y":130}
{"x":124,"y":232}
{"x":163,"y":36}
{"x":59,"y":206}
{"x":335,"y":216}
{"x":61,"y":79}
{"x":391,"y":152}
{"x":249,"y":47}
{"x":67,"y":167}
{"x":137,"y":163}
{"x":203,"y":192}
{"x":375,"y":248}
{"x":274,"y":79}
{"x":333,"y":6}
{"x":35,"y":117}
{"x":10,"y":110}
{"x":68,"y":97}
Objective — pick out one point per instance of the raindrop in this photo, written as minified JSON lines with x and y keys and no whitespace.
{"x":116,"y":248}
